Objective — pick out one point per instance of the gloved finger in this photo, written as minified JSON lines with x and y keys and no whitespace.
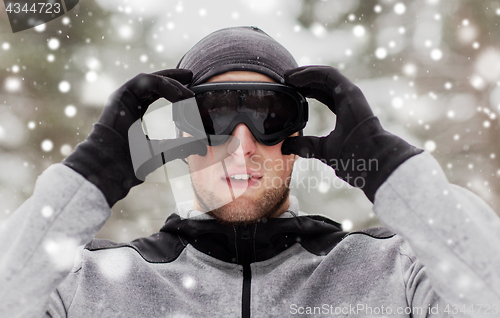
{"x":181,"y":75}
{"x":310,"y":81}
{"x":149,"y":87}
{"x":132,"y":99}
{"x":328,"y":80}
{"x":312,"y":76}
{"x":304,"y":146}
{"x":330,"y":87}
{"x":174,"y":91}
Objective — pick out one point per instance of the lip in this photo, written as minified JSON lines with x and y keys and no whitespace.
{"x":253,"y":173}
{"x":242,"y":184}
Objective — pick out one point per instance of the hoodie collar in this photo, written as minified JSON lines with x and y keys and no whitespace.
{"x":259,"y":241}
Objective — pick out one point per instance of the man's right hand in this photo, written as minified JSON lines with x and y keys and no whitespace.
{"x":104,"y":157}
{"x":129,"y":103}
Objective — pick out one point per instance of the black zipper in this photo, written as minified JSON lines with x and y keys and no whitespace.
{"x":245,"y":301}
{"x":245,"y":251}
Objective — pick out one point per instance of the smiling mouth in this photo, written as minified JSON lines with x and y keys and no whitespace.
{"x":239,"y":180}
{"x":240,"y":177}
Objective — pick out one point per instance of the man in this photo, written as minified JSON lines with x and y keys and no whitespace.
{"x":253,"y":253}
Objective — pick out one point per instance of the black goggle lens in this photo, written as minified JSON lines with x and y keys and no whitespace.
{"x":271,"y":111}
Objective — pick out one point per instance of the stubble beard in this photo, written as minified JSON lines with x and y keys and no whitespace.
{"x":238,"y":212}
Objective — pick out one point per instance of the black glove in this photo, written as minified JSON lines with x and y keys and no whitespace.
{"x":358,"y":136}
{"x":104,"y":157}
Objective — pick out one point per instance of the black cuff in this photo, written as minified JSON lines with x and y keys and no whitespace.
{"x":104,"y":159}
{"x":371,"y":154}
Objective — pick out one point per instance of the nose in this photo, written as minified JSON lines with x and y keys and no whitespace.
{"x":247,"y":141}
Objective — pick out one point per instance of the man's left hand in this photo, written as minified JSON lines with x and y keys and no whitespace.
{"x":358,"y":143}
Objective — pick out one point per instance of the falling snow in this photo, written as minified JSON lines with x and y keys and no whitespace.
{"x":66,"y":150}
{"x":381,"y":53}
{"x":477,"y":82}
{"x":318,"y":30}
{"x":400,"y":8}
{"x":347,"y":225}
{"x":12,"y":84}
{"x":359,"y":31}
{"x":436,"y":54}
{"x":114,"y":265}
{"x":70,"y":111}
{"x":61,"y":251}
{"x":40,"y":28}
{"x":430,"y":145}
{"x":397,"y":102}
{"x":47,"y":145}
{"x":53,"y":44}
{"x":90,"y":76}
{"x":64,"y":86}
{"x":410,"y":69}
{"x":487,"y":65}
{"x":47,"y":211}
{"x":188,"y":282}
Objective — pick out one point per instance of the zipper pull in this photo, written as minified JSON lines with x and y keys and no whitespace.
{"x":245,"y":232}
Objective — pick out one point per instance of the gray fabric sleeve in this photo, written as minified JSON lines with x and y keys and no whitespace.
{"x":453,"y":232}
{"x":39,"y":242}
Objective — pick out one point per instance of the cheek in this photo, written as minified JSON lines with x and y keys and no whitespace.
{"x":200,"y":165}
{"x":201,"y":176}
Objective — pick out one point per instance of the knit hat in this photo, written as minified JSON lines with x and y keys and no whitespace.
{"x":237,"y":49}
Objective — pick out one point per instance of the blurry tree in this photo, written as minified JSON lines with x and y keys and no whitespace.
{"x":447,"y":55}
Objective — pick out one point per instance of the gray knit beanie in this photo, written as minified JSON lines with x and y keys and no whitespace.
{"x":237,"y":49}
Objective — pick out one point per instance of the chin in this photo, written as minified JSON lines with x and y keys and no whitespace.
{"x":239,"y":211}
{"x":251,"y":206}
{"x":245,"y":210}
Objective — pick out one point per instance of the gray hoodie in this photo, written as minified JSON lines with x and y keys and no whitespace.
{"x":439,"y":256}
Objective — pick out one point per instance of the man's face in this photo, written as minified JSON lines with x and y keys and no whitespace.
{"x":264,"y":195}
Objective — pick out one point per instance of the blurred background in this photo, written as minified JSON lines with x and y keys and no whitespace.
{"x":430,"y":69}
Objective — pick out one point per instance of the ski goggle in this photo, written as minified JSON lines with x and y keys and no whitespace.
{"x":271,"y":111}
